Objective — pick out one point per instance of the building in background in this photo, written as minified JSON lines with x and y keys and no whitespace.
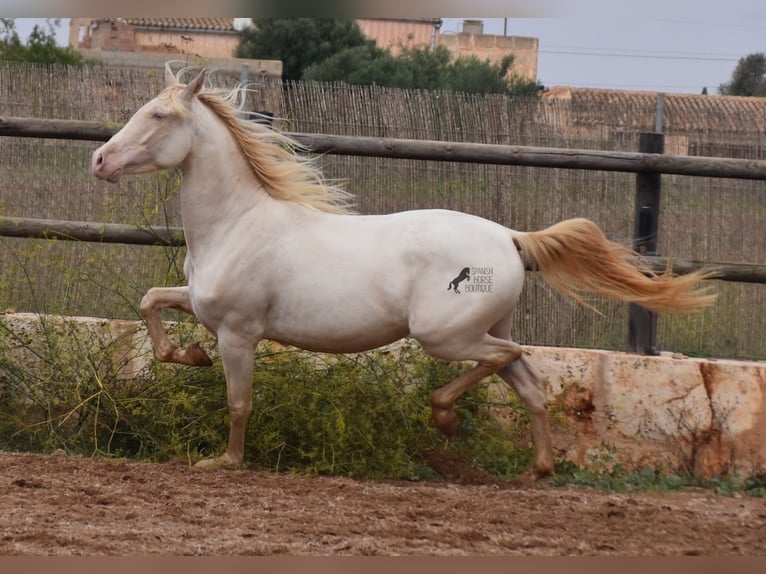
{"x":472,"y":41}
{"x":149,"y":41}
{"x":203,"y":37}
{"x":396,"y":33}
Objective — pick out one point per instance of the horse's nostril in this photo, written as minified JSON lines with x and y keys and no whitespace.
{"x":99,"y":159}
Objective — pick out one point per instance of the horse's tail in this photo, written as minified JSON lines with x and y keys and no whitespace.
{"x":574,"y":257}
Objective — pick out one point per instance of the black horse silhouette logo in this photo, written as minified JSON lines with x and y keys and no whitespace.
{"x":464,"y":276}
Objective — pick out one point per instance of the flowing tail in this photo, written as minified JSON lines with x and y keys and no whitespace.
{"x":574,"y":256}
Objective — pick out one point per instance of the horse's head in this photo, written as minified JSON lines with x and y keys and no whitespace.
{"x":158,"y":136}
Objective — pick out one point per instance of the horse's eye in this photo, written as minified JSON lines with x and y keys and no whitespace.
{"x":158,"y":116}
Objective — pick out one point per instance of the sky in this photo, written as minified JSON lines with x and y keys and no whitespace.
{"x":668,"y":53}
{"x":655,"y":45}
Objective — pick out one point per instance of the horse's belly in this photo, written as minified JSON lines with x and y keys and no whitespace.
{"x":336,"y":336}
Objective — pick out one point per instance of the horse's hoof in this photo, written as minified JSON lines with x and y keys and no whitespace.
{"x":197,"y":356}
{"x":530,"y":477}
{"x":217,"y":462}
{"x":445,"y":420}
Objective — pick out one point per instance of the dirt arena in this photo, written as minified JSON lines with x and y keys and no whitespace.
{"x":59,"y":505}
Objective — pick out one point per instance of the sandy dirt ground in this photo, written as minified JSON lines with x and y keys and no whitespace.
{"x":60,"y":505}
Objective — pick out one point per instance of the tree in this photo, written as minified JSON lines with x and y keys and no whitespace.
{"x":40,"y":48}
{"x":429,"y":69}
{"x":299,"y":42}
{"x":748,"y":78}
{"x":336,"y":50}
{"x":362,"y":65}
{"x":420,"y":68}
{"x":469,"y":74}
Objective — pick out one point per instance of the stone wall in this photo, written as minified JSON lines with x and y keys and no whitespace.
{"x":257,"y":69}
{"x":704,"y":416}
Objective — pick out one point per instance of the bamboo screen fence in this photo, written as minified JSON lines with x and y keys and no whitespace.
{"x":701,"y":218}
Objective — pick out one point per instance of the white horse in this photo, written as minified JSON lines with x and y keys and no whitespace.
{"x":273,"y":253}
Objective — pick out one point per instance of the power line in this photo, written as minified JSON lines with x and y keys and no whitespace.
{"x":716,"y":24}
{"x":637,"y":54}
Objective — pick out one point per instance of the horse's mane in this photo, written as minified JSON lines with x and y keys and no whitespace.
{"x":271,"y":154}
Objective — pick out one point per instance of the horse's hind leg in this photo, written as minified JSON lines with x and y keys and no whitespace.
{"x":491,"y":354}
{"x":443,"y":400}
{"x":496,"y":353}
{"x":153,"y":302}
{"x":528,"y":383}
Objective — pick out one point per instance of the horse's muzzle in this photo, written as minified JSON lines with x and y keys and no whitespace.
{"x":99,"y":167}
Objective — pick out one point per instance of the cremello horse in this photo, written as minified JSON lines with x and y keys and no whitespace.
{"x":273,"y":253}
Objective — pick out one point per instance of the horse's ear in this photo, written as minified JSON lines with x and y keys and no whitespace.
{"x":170,"y":77}
{"x":193,"y":87}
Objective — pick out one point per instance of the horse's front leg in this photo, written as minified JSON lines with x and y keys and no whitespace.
{"x":157,"y":299}
{"x":237,"y":355}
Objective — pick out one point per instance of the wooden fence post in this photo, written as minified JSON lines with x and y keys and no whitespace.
{"x":642,"y":324}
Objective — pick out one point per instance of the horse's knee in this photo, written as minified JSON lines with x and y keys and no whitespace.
{"x":146,"y":307}
{"x":240,"y":410}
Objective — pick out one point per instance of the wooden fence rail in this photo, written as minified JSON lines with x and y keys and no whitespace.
{"x":648,"y":164}
{"x":634,"y":162}
{"x":393,"y":148}
{"x":89,"y":231}
{"x":174,"y":237}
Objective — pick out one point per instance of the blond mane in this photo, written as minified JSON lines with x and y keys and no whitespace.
{"x":271,"y":154}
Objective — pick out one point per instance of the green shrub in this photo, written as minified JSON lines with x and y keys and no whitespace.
{"x":364,"y":416}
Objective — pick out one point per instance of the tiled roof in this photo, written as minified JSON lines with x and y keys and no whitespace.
{"x":215,"y":24}
{"x":592,"y":106}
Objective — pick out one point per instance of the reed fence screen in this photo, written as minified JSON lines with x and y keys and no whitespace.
{"x":701,"y":218}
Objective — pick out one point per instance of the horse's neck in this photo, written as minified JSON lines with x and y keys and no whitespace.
{"x":218,"y":189}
